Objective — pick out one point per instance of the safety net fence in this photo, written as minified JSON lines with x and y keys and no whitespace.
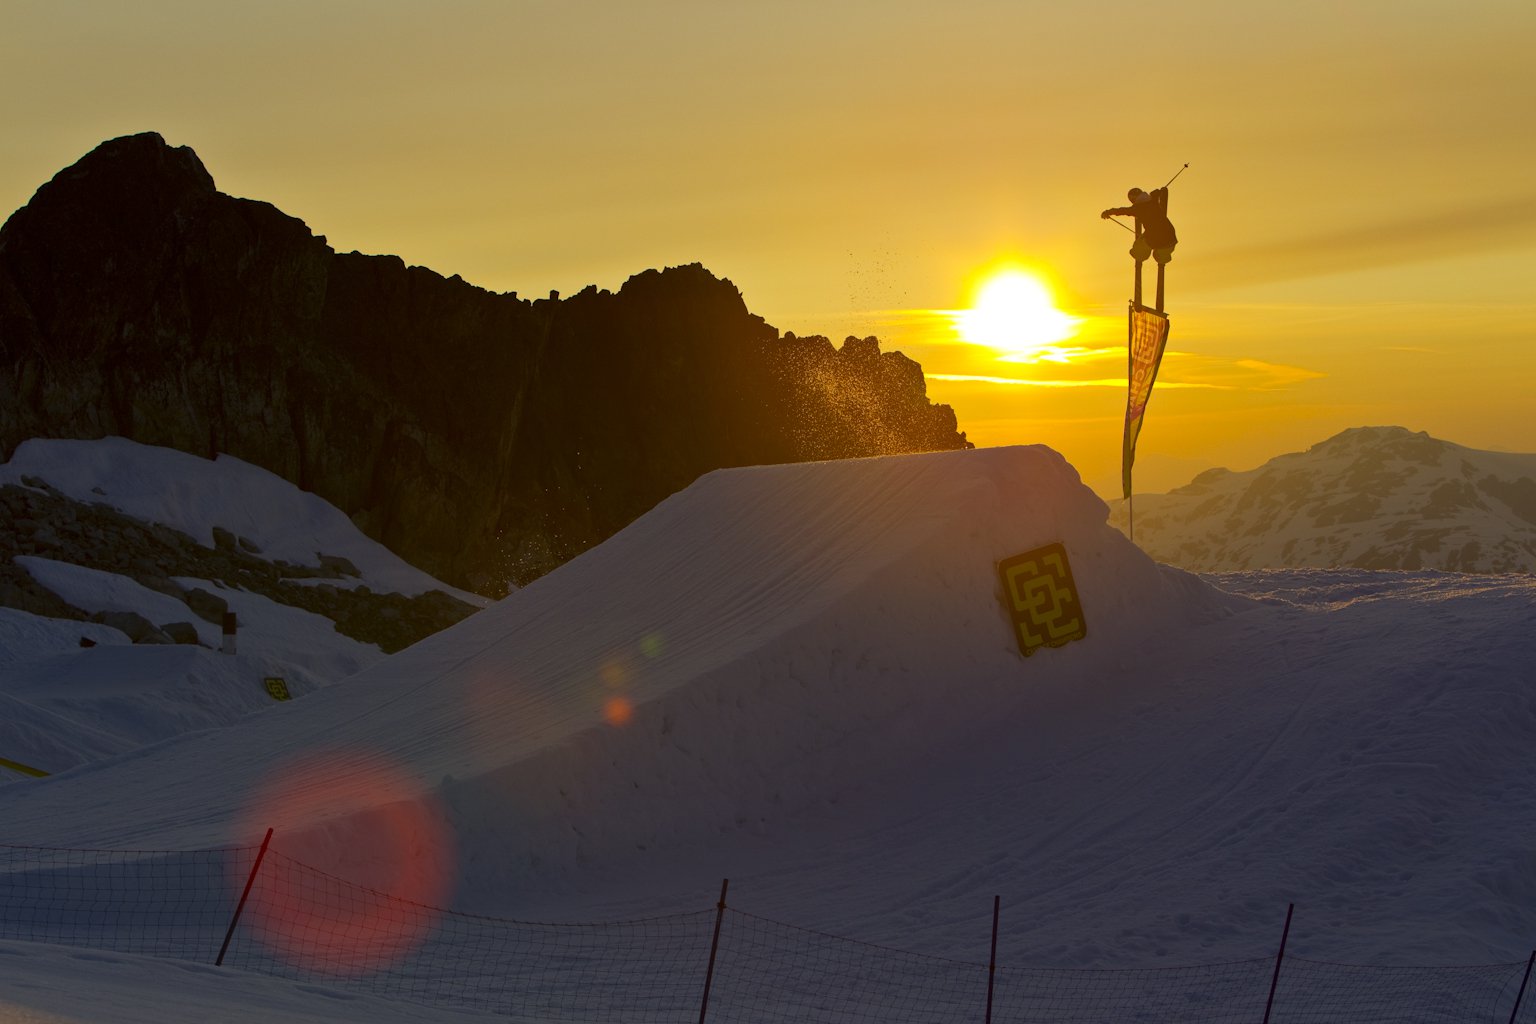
{"x":257,"y":910}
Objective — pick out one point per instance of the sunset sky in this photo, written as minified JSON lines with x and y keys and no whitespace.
{"x":1357,"y":224}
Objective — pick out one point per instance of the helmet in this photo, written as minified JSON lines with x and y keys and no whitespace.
{"x":1136,"y":195}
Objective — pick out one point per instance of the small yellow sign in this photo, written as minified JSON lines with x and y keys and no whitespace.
{"x":1041,"y":598}
{"x":25,"y":769}
{"x":278,"y":688}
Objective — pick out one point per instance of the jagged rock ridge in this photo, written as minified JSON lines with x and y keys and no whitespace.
{"x":1367,"y":498}
{"x":483,"y":437}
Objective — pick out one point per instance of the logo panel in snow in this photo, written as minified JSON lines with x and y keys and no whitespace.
{"x":1041,"y":598}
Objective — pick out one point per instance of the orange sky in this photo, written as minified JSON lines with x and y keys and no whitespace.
{"x":1358,"y":229}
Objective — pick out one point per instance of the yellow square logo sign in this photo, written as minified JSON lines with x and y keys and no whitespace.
{"x":277,"y":688}
{"x":1042,"y":599}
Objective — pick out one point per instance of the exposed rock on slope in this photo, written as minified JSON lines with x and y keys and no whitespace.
{"x":37,"y":520}
{"x":484,"y":437}
{"x":1368,"y":498}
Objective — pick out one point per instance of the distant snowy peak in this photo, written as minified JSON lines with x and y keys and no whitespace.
{"x":1369,"y":498}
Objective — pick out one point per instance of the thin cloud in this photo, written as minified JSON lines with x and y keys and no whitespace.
{"x":1279,"y":375}
{"x":1191,"y":373}
{"x":1410,"y":239}
{"x":1107,"y":382}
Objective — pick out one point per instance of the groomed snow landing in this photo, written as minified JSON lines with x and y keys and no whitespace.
{"x":762,"y":640}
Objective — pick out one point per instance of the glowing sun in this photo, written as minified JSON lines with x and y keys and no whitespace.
{"x":1015,"y":314}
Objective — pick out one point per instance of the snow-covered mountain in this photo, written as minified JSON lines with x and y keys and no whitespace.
{"x":1368,"y":498}
{"x":118,"y":565}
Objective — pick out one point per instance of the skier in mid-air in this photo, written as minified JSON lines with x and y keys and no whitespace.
{"x":1157,"y":238}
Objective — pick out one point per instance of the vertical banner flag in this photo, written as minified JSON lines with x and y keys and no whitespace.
{"x":1148,"y":336}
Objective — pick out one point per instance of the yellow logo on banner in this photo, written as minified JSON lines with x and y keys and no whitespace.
{"x":1149,"y":336}
{"x":1041,"y":598}
{"x":278,"y":688}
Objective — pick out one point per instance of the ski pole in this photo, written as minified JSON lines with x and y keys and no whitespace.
{"x":1121,"y":224}
{"x":1175,"y":177}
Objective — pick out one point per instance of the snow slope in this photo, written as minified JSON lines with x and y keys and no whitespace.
{"x":801,"y":678}
{"x":65,"y":706}
{"x":308,"y":643}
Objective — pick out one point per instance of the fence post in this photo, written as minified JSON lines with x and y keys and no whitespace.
{"x":239,"y":907}
{"x":997,"y":902}
{"x":1289,"y":908}
{"x":709,"y":975}
{"x":1521,"y":994}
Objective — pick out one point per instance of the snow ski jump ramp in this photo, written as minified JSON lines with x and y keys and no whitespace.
{"x":761,"y":640}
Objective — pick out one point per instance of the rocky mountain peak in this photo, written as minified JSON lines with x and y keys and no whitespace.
{"x":484,"y":437}
{"x":144,"y":160}
{"x":1382,"y":442}
{"x":124,"y":185}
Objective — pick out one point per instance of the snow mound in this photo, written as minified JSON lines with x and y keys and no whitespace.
{"x":757,"y":641}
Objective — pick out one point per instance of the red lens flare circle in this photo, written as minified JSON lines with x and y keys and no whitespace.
{"x":360,"y":863}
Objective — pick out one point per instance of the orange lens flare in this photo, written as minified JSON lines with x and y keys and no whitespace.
{"x":617,"y":711}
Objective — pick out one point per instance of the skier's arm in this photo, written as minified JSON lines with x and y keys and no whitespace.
{"x":1123,"y":211}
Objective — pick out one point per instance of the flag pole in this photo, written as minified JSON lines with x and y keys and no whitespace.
{"x":1130,"y":376}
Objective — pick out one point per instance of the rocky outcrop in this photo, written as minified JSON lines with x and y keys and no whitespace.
{"x":483,"y":437}
{"x":38,"y":520}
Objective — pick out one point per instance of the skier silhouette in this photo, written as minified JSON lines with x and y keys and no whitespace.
{"x":1156,"y":237}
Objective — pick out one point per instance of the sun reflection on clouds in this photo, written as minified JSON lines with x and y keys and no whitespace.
{"x":1030,"y":382}
{"x":1017,"y":335}
{"x":1094,"y":357}
{"x":1181,"y":371}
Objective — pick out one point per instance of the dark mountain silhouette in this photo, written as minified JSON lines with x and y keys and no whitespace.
{"x":482,"y":436}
